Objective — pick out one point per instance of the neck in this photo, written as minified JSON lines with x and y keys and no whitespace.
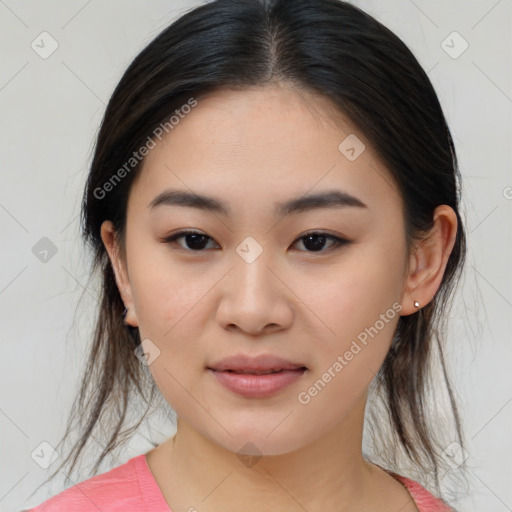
{"x":328,"y":474}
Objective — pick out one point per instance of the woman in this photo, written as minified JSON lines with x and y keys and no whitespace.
{"x":273,"y":204}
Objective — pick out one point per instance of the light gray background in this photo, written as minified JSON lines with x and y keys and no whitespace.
{"x":50,"y":113}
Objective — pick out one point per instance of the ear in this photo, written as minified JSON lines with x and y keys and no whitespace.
{"x":428,"y":260}
{"x":108,"y":235}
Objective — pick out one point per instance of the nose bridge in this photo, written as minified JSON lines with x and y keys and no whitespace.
{"x":252,"y":275}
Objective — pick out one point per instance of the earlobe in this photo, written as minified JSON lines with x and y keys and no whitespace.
{"x":108,"y":235}
{"x":429,"y":259}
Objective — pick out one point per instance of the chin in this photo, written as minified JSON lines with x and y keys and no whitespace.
{"x":259,"y":439}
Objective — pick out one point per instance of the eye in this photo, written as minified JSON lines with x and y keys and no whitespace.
{"x":316,"y":240}
{"x":196,"y":241}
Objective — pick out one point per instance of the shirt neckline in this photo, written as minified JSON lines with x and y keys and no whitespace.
{"x":154,"y":499}
{"x":150,"y":490}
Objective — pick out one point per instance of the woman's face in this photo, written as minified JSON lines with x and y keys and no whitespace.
{"x":252,"y":284}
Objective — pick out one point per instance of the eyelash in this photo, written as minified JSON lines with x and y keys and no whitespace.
{"x":339,"y":242}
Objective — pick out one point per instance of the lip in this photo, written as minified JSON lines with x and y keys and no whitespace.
{"x":262,"y":362}
{"x":257,"y":386}
{"x":253,"y":385}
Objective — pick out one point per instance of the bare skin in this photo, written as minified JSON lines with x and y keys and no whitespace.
{"x":252,"y":149}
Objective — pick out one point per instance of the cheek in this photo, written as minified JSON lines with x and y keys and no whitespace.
{"x":165,"y":293}
{"x":357,"y":292}
{"x":172,"y":311}
{"x":348,"y":360}
{"x":169,"y":312}
{"x":361,"y":309}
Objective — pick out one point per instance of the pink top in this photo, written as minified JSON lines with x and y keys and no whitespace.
{"x":132,"y":486}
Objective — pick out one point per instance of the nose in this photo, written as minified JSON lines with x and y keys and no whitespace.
{"x":255,"y":298}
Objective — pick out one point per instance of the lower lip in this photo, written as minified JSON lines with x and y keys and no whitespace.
{"x":257,"y":386}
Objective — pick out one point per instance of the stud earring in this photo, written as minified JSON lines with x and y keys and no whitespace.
{"x":124,"y":315}
{"x":416,"y":304}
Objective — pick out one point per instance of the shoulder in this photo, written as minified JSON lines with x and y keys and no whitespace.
{"x":424,"y":500}
{"x":113,"y":491}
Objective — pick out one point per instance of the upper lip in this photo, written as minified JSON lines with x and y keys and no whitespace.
{"x":263,"y":362}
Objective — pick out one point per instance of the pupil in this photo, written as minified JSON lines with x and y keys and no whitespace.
{"x":195,"y":238}
{"x":316,"y":246}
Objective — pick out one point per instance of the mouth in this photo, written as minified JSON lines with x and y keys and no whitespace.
{"x":250,"y":383}
{"x":262,"y":364}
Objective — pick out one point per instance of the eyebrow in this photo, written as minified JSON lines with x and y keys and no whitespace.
{"x":327,"y":199}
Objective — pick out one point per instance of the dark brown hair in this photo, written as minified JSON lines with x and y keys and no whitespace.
{"x":338,"y":52}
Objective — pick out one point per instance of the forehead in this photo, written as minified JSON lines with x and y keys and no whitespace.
{"x":259,"y":144}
